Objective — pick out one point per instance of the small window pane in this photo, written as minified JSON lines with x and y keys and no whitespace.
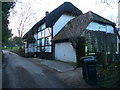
{"x":46,"y":41}
{"x":39,"y":28}
{"x":50,"y":40}
{"x":93,"y":26}
{"x":39,"y":35}
{"x":39,"y":42}
{"x":110,"y":29}
{"x":102,"y":27}
{"x":42,"y":42}
{"x":42,"y":33}
{"x":48,"y":49}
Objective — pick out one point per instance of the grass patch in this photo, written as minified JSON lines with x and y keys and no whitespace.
{"x":20,"y":52}
{"x":16,"y":50}
{"x":10,"y":48}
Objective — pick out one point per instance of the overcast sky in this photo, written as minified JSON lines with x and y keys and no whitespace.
{"x":41,"y":6}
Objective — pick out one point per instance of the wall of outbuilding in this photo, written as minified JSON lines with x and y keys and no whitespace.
{"x":65,"y":52}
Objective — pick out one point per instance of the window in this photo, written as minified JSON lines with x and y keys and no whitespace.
{"x":90,"y":50}
{"x":94,"y":26}
{"x":48,"y":49}
{"x":25,"y":44}
{"x":39,"y":28}
{"x":42,"y":33}
{"x":43,"y":49}
{"x":38,"y":49}
{"x":110,"y":29}
{"x":102,"y":27}
{"x":50,"y":40}
{"x":30,"y":45}
{"x":39,"y":35}
{"x":43,"y":42}
{"x":46,"y":41}
{"x":35,"y":46}
{"x":39,"y":42}
{"x":47,"y":32}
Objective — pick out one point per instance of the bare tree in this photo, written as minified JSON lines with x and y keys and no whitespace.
{"x":107,"y":2}
{"x":24,"y":18}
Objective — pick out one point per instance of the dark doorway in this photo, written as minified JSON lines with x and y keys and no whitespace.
{"x":80,"y":50}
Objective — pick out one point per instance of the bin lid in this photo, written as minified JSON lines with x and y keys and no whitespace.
{"x":88,"y":59}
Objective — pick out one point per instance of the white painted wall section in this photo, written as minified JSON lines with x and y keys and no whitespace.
{"x":62,"y":21}
{"x":65,"y":52}
{"x":118,"y":41}
{"x":35,"y":36}
{"x":43,"y":26}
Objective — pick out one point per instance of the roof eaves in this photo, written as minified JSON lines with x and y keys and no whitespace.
{"x":106,"y":21}
{"x":91,"y":16}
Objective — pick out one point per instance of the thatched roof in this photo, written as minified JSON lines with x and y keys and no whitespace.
{"x":52,"y":17}
{"x":74,"y":27}
{"x":30,"y":39}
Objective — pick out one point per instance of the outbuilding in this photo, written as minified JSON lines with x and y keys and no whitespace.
{"x":38,"y":39}
{"x":87,"y":34}
{"x":67,"y":34}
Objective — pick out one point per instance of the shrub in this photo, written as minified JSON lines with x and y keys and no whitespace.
{"x":109,"y":77}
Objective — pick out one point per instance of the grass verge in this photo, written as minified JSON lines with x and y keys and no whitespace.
{"x":16,"y":50}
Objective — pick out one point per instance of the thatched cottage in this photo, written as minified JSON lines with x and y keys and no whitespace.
{"x":67,"y":34}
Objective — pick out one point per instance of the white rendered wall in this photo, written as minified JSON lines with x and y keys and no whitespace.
{"x":35,"y":36}
{"x":119,"y":15}
{"x":118,"y":41}
{"x":62,"y":21}
{"x":65,"y":52}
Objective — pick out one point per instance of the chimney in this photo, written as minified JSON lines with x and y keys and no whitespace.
{"x":46,"y":13}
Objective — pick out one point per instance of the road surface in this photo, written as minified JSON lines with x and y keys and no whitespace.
{"x":18,"y":72}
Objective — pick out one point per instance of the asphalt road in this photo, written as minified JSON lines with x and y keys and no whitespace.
{"x":19,"y":72}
